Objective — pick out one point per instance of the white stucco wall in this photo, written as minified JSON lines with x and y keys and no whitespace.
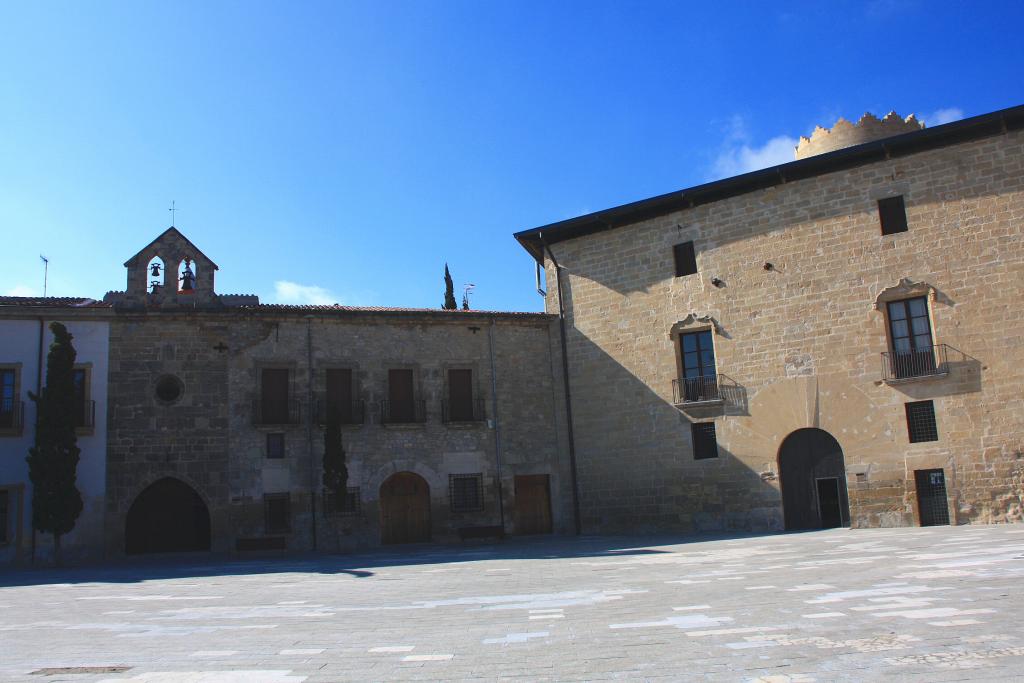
{"x":19,"y":344}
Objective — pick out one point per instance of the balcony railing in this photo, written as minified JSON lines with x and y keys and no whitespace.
{"x":696,"y":390}
{"x":463,"y":411}
{"x":275,"y":412}
{"x":403,"y":412}
{"x":353,"y":413}
{"x":86,"y":419}
{"x":901,"y":366}
{"x":12,"y":414}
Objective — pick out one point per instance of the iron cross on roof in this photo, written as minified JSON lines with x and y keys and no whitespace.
{"x":172,"y":210}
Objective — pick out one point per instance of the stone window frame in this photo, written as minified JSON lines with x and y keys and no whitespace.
{"x":292,"y":367}
{"x":17,"y":429}
{"x":477,"y":379}
{"x":690,"y":324}
{"x":87,"y":429}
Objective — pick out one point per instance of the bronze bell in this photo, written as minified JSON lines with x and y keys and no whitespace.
{"x":154,"y":268}
{"x":188,"y":278}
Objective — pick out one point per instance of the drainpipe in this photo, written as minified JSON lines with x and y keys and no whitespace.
{"x":568,"y":392}
{"x":497,"y":424}
{"x":39,"y":393}
{"x":309,"y":425}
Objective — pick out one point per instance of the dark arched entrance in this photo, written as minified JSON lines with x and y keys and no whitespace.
{"x":813,"y":477}
{"x":404,"y":509}
{"x":167,"y":517}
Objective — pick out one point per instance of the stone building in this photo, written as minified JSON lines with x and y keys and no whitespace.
{"x":836,"y":340}
{"x":218,"y":406}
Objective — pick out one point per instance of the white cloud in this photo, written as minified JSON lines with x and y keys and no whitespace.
{"x":293,"y":293}
{"x":941,"y":116}
{"x":739,"y":156}
{"x":21,"y":290}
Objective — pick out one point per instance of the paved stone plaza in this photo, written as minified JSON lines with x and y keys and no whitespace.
{"x":932,"y":604}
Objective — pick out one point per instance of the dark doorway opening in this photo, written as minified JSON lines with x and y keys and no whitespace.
{"x":533,"y":504}
{"x":932,"y":502}
{"x":812,"y":473}
{"x":167,"y":517}
{"x":829,"y":503}
{"x":405,"y":509}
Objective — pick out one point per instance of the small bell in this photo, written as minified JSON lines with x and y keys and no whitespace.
{"x":154,"y":269}
{"x":188,"y":278}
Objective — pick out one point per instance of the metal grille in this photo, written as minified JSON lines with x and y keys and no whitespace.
{"x":932,"y":502}
{"x":466,"y":492}
{"x":345,"y":505}
{"x":921,"y":421}
{"x":705,"y":443}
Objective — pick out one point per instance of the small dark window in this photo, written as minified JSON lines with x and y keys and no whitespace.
{"x":275,"y":445}
{"x":274,"y":393}
{"x":466,"y":492}
{"x":339,"y":396}
{"x":168,"y":389}
{"x":343,"y":505}
{"x":893,"y":215}
{"x":686,"y":259}
{"x":278,"y":510}
{"x":401,"y":405}
{"x":460,"y":396}
{"x":921,"y":421}
{"x":4,"y":516}
{"x":82,"y":405}
{"x":705,"y":444}
{"x":8,"y":399}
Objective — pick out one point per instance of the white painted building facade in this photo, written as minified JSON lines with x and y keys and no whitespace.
{"x":24,"y":343}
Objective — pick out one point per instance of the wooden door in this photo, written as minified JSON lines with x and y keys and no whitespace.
{"x":932,"y":502}
{"x":400,"y":396}
{"x":533,"y":504}
{"x":405,"y":509}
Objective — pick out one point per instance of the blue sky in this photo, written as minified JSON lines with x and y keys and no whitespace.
{"x":344,"y":151}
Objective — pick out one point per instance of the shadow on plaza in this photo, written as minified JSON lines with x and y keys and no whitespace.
{"x":360,"y":565}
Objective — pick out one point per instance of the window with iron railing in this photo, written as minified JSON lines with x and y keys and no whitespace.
{"x":274,"y":405}
{"x":699,"y":382}
{"x":401,"y":406}
{"x":913,"y":352}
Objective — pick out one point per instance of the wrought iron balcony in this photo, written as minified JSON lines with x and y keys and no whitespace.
{"x":352,"y":413}
{"x":403,"y":412}
{"x":463,"y":411}
{"x":12,"y":415}
{"x":275,"y":412}
{"x":696,"y":390}
{"x":903,"y":366}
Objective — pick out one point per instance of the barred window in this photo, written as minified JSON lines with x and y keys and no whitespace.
{"x":921,"y":421}
{"x":466,"y":492}
{"x":344,"y":505}
{"x":705,"y":443}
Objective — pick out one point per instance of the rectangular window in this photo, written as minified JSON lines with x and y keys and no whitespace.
{"x":700,"y":380}
{"x":401,"y":405}
{"x":4,"y":515}
{"x":344,"y":505}
{"x":278,"y":511}
{"x":466,"y":492}
{"x":10,"y":410}
{"x":83,"y":406}
{"x":705,"y":443}
{"x":921,"y":421}
{"x":274,"y":396}
{"x":275,"y":445}
{"x":893,"y":215}
{"x":686,"y":259}
{"x":910,"y":331}
{"x":460,"y":396}
{"x":339,"y":396}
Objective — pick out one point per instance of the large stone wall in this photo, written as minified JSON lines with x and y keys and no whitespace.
{"x":209,"y":439}
{"x":801,"y":344}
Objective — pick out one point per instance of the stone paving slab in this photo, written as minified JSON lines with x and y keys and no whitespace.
{"x":935,"y":604}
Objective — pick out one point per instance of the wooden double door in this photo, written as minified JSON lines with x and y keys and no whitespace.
{"x":533,"y":504}
{"x":405,"y":509}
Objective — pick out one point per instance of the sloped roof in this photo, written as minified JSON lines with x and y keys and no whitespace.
{"x":170,"y":231}
{"x":52,"y":301}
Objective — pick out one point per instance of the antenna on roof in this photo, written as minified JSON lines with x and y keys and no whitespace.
{"x":467,"y":289}
{"x":46,"y":271}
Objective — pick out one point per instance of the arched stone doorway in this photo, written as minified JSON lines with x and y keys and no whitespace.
{"x":404,"y":509}
{"x":167,"y":517}
{"x":812,"y":473}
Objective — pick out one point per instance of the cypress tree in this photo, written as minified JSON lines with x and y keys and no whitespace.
{"x":335,"y":477}
{"x":449,"y":291}
{"x":53,"y":461}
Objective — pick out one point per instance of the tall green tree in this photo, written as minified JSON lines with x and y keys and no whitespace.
{"x":53,"y":461}
{"x":335,"y":477}
{"x":449,"y":291}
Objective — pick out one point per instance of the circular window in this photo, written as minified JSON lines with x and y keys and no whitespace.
{"x":168,"y":389}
